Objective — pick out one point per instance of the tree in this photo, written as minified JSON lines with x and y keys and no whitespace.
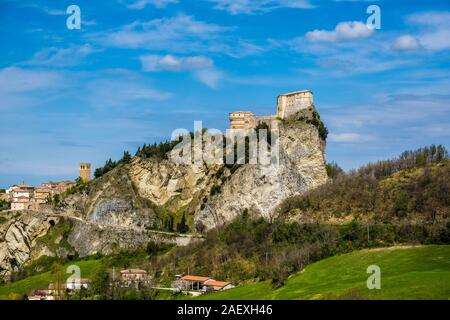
{"x":100,"y":283}
{"x":126,"y":158}
{"x":59,"y":279}
{"x":333,"y":170}
{"x":182,"y":226}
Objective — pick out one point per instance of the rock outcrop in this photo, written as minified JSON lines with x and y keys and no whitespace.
{"x":128,"y":206}
{"x":260,"y":188}
{"x":18,"y":238}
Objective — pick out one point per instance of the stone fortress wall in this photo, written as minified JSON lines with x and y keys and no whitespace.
{"x":289,"y":105}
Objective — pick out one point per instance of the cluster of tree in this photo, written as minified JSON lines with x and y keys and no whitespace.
{"x":156,"y":150}
{"x":259,"y":249}
{"x":407,"y":160}
{"x":110,"y":164}
{"x":420,"y":195}
{"x":181,"y":227}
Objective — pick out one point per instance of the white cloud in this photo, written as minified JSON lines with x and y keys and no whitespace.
{"x":259,"y":6}
{"x":141,"y":4}
{"x":434,"y":29}
{"x":345,"y":58}
{"x":21,"y":87}
{"x":177,"y":33}
{"x":343,"y":31}
{"x":120,"y":92}
{"x":210,"y":77}
{"x":62,"y":57}
{"x":350,"y":137}
{"x":169,"y":62}
{"x":13,"y":79}
{"x":201,"y":67}
{"x":405,"y":43}
{"x":55,"y":12}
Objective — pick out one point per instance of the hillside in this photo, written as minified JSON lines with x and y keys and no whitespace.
{"x":401,"y":201}
{"x":41,"y":281}
{"x":151,"y":198}
{"x":406,"y":273}
{"x":350,"y":212}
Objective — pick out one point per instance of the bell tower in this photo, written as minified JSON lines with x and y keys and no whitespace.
{"x":85,"y":171}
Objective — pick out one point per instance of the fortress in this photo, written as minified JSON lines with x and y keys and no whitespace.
{"x":290,"y":105}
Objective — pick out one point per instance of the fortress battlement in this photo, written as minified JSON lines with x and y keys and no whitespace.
{"x":289,"y":105}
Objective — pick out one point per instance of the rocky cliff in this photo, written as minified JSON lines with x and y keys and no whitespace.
{"x":130,"y":205}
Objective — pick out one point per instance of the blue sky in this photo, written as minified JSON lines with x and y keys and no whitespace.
{"x":139,"y":69}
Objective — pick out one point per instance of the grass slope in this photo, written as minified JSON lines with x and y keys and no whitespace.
{"x":406,"y":273}
{"x":42,"y":280}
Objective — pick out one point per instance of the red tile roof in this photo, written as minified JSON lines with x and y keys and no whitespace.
{"x":214,"y":283}
{"x":195,"y":278}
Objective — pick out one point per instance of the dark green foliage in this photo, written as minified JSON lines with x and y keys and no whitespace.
{"x":157,"y":150}
{"x":215,"y":189}
{"x":264,"y":126}
{"x":4,"y":205}
{"x":100,"y":283}
{"x":182,"y":227}
{"x":318,"y":123}
{"x":126,"y":158}
{"x":323,"y":131}
{"x":168,"y":223}
{"x":333,"y":170}
{"x":109,"y":165}
{"x":152,"y":247}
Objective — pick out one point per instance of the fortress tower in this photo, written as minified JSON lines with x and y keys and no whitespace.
{"x":85,"y":171}
{"x":290,"y":104}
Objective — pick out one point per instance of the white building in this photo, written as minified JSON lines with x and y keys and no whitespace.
{"x":78,"y":284}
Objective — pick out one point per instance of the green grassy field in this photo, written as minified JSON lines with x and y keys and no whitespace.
{"x":406,"y":273}
{"x":42,"y":280}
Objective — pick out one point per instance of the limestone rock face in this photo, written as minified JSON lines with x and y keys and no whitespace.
{"x":18,"y":238}
{"x":174,"y":186}
{"x":261,"y":188}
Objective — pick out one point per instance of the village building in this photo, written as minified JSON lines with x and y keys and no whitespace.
{"x":21,"y":197}
{"x":213,"y":285}
{"x":202,"y":284}
{"x":78,"y":284}
{"x":193,"y":283}
{"x":27,"y":197}
{"x":40,"y":294}
{"x":58,"y":187}
{"x":134,"y":277}
{"x":42,"y":194}
{"x":22,"y":203}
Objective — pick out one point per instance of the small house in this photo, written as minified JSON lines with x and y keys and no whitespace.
{"x":214,"y":285}
{"x":134,"y":277}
